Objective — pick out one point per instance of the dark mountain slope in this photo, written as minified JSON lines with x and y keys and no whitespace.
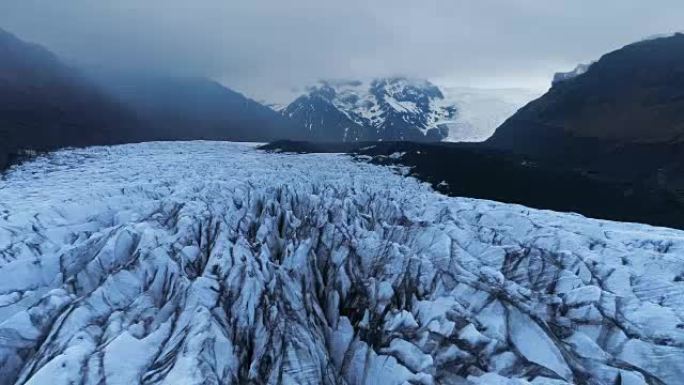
{"x":621,"y":121}
{"x":632,"y":95}
{"x":176,"y":108}
{"x":324,"y":122}
{"x":44,"y":104}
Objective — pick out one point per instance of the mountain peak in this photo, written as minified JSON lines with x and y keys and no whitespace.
{"x":392,"y":108}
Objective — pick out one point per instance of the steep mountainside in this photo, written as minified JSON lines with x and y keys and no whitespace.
{"x":632,"y":95}
{"x":385,"y":109}
{"x":316,"y":269}
{"x":45,"y":104}
{"x":622,"y":120}
{"x":195,"y":108}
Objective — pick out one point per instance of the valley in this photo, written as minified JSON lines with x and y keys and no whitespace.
{"x":126,"y":264}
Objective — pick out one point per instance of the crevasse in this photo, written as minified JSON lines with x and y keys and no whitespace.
{"x":216,"y":263}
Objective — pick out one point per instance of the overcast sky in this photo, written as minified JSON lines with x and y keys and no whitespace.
{"x":265,"y":48}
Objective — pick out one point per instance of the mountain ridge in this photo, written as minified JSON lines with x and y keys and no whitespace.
{"x":395,"y":108}
{"x":183,"y":108}
{"x":632,"y":95}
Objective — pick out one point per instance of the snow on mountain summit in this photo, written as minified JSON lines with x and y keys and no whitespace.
{"x":215,"y":263}
{"x":384,"y":109}
{"x":400,"y":108}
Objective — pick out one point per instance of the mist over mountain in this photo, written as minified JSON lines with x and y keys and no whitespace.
{"x":184,"y":108}
{"x":142,"y":105}
{"x":45,"y":104}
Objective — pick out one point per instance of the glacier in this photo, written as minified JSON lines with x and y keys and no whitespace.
{"x":218,"y":263}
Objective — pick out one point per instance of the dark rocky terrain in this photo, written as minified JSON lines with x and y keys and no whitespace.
{"x":476,"y":171}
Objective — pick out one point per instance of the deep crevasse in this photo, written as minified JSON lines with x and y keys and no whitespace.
{"x":215,"y":263}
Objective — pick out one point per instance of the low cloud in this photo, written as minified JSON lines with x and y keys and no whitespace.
{"x":267,"y":47}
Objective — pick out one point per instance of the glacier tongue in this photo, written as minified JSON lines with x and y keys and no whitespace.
{"x":214,"y":263}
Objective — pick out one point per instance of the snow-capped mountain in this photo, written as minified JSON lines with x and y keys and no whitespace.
{"x":384,"y":109}
{"x":129,"y":265}
{"x":403,"y":109}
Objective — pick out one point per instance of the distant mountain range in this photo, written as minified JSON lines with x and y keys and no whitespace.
{"x":620,"y":119}
{"x":398,"y":108}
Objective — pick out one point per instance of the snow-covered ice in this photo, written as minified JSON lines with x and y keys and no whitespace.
{"x":481,"y":111}
{"x":216,"y":263}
